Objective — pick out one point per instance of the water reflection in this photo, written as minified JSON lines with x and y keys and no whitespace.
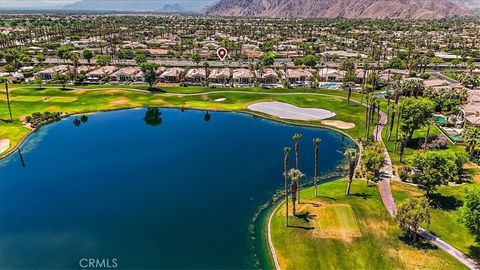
{"x":153,"y":117}
{"x":207,"y":116}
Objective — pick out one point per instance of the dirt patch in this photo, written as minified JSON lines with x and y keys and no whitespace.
{"x":378,"y":227}
{"x":4,"y":145}
{"x":338,"y":124}
{"x":400,"y":187}
{"x":119,"y":101}
{"x":52,"y":109}
{"x":78,"y":91}
{"x":417,"y":259}
{"x":112,"y":92}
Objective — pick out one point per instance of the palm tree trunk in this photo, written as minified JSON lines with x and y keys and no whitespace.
{"x":426,"y":138}
{"x":8,"y":101}
{"x":316,"y":170}
{"x":297,"y":148}
{"x":285,"y":171}
{"x":294,"y":188}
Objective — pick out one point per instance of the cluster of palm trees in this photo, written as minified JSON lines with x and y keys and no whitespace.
{"x":293,"y":176}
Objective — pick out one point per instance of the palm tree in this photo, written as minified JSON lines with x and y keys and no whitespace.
{"x":295,"y":176}
{"x":286,"y":153}
{"x":471,"y":137}
{"x":296,"y":139}
{"x":351,"y":155}
{"x":8,"y":101}
{"x":427,"y":133}
{"x":316,"y":142}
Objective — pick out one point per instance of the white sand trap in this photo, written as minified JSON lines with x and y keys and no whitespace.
{"x":288,"y":111}
{"x":4,"y":145}
{"x":220,"y":99}
{"x":338,"y":124}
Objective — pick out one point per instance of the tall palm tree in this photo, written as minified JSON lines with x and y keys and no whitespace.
{"x":471,"y":137}
{"x":8,"y":100}
{"x":427,"y":134}
{"x":351,"y":155}
{"x":296,"y":139}
{"x":295,"y":176}
{"x":286,"y":153}
{"x":316,"y":142}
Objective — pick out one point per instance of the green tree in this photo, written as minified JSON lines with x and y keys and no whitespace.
{"x":38,"y":82}
{"x":411,"y":214}
{"x":434,"y":168}
{"x":414,"y":115}
{"x":62,"y":78}
{"x":87,"y":55}
{"x":373,"y":158}
{"x":471,"y":212}
{"x":40,"y":58}
{"x":103,"y":59}
{"x":471,"y":138}
{"x":351,"y":155}
{"x":63,"y":51}
{"x":148,"y":69}
{"x":310,"y":61}
{"x":196,"y":58}
{"x":268,"y":59}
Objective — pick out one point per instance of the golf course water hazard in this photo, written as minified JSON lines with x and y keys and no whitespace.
{"x":177,"y":190}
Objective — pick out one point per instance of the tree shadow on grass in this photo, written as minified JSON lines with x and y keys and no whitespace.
{"x":303,"y":217}
{"x":156,"y":90}
{"x":446,"y":203}
{"x":362,"y":195}
{"x":419,"y":244}
{"x":474,"y":251}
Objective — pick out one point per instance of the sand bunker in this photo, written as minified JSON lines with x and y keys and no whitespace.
{"x":288,"y":111}
{"x":220,"y":99}
{"x":4,"y":145}
{"x":338,"y":124}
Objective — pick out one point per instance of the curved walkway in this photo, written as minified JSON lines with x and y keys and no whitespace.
{"x":387,"y":199}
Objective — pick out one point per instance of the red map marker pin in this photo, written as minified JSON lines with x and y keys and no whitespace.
{"x":222,"y":53}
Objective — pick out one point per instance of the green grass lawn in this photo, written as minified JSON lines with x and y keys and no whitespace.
{"x":335,"y":231}
{"x":28,"y":99}
{"x":445,"y":214}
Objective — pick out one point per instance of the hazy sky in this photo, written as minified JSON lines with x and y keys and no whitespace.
{"x":39,"y":3}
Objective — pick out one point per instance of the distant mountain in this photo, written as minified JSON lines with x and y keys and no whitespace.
{"x":393,"y":9}
{"x":139,"y":5}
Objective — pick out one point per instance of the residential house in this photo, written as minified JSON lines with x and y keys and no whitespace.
{"x":195,"y":76}
{"x":97,"y":75}
{"x":220,"y":76}
{"x":124,"y":74}
{"x":268,"y":77}
{"x":49,"y":73}
{"x":298,"y":77}
{"x":330,"y":75}
{"x":242,"y":77}
{"x":172,"y":75}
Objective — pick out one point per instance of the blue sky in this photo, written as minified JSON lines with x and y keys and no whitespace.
{"x":51,"y":3}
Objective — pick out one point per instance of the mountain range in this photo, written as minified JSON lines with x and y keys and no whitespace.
{"x":140,"y":5}
{"x":392,"y":9}
{"x":398,"y":9}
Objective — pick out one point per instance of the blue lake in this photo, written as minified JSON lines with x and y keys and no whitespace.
{"x":176,"y":194}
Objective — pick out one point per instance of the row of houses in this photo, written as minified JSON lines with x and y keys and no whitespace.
{"x":197,"y":76}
